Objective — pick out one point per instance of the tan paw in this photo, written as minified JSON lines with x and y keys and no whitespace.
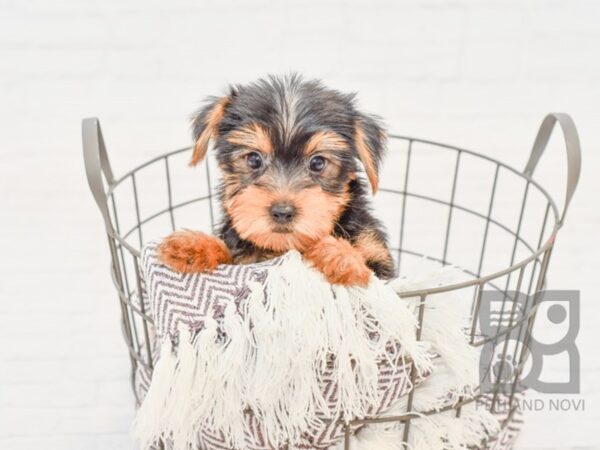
{"x":193,"y":251}
{"x":339,"y":262}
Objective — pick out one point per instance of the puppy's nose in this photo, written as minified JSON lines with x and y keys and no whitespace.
{"x":282,"y":212}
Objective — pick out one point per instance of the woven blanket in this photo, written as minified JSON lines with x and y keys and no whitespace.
{"x":269,"y":355}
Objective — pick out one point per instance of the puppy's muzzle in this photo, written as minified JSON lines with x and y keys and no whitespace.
{"x":282,"y":212}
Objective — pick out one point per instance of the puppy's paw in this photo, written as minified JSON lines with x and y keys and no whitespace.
{"x":339,"y":262}
{"x":193,"y":251}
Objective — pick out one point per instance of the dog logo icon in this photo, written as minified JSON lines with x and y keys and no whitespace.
{"x":516,"y":341}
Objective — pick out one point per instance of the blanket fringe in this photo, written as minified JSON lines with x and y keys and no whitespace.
{"x":454,"y":378}
{"x":268,"y":355}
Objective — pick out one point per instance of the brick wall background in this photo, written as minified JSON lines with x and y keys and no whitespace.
{"x":476,"y":73}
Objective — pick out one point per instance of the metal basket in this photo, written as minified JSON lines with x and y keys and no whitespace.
{"x":495,"y":223}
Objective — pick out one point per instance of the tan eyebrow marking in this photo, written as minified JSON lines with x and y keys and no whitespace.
{"x":252,"y":136}
{"x":325,"y":140}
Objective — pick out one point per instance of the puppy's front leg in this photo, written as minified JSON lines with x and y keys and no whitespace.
{"x":339,"y":262}
{"x":193,"y":251}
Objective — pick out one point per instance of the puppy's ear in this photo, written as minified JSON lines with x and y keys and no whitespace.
{"x":370,"y":138}
{"x":205,"y":125}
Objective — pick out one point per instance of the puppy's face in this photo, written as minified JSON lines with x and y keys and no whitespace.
{"x":288,"y":150}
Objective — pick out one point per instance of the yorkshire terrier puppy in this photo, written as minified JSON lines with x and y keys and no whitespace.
{"x":289,"y":152}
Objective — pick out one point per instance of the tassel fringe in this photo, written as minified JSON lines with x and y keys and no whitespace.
{"x":268,"y":355}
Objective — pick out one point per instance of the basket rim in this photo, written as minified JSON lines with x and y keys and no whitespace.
{"x":476,"y":281}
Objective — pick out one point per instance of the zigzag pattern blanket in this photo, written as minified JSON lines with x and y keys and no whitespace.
{"x":269,"y":356}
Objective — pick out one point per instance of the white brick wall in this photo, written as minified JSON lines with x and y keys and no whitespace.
{"x":478,"y":73}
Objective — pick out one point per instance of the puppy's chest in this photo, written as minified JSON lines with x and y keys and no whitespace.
{"x":254,"y":255}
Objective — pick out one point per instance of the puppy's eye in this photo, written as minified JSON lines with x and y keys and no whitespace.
{"x":254,"y":160}
{"x":317,"y":163}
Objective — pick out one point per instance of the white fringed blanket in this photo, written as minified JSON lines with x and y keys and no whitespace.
{"x":267,"y":355}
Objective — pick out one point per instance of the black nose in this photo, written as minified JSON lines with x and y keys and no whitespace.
{"x":282,"y":212}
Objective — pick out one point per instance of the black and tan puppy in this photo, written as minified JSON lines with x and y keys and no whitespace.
{"x":289,"y":151}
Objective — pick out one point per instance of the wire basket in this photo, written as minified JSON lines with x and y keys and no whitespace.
{"x":494,"y":222}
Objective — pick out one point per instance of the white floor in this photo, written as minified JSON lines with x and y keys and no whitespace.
{"x":477,"y":74}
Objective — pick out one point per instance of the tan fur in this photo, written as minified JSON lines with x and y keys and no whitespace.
{"x":258,"y":255}
{"x":252,"y":136}
{"x":362,"y":147}
{"x":372,"y":248}
{"x":212,"y":121}
{"x":317,"y":213}
{"x":339,"y":262}
{"x":325,"y":140}
{"x":193,"y":251}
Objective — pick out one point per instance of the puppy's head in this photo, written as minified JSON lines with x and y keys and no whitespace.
{"x":289,"y":150}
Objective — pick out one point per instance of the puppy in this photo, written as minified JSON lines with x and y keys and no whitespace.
{"x":290,"y":152}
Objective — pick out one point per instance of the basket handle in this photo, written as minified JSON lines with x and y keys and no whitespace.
{"x":573,"y":152}
{"x":97,"y":165}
